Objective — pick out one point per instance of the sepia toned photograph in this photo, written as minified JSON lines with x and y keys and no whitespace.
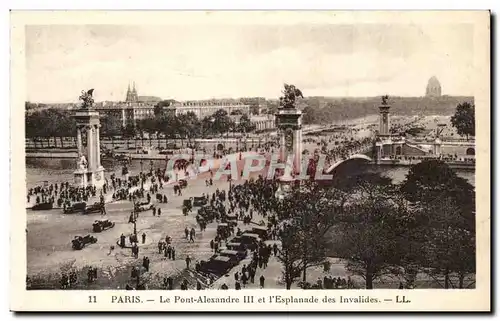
{"x":317,"y":155}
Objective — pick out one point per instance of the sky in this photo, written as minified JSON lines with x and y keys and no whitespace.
{"x":220,"y":61}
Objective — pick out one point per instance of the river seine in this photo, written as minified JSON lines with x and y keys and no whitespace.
{"x":61,"y":170}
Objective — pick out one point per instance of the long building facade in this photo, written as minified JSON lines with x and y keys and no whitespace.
{"x":205,"y":108}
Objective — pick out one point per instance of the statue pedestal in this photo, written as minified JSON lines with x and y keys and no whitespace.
{"x":86,"y":177}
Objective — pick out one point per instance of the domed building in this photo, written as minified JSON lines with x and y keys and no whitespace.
{"x":433,"y":88}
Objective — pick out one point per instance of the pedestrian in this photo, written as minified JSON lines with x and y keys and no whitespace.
{"x":173,"y":253}
{"x":143,"y":238}
{"x":159,"y":212}
{"x":262,"y":279}
{"x":188,"y":261}
{"x":186,"y":232}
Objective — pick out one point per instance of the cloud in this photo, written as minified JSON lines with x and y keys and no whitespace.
{"x":192,"y":62}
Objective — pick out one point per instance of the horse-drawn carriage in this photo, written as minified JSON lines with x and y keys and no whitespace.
{"x":42,"y":206}
{"x":100,"y":226}
{"x":79,"y":242}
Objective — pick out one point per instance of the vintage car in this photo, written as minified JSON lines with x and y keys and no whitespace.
{"x":94,"y":208}
{"x":240,"y":255}
{"x":200,"y":201}
{"x":42,"y":206}
{"x":232,"y":220}
{"x":233,"y":259}
{"x":250,"y":240}
{"x":236,"y":246}
{"x":218,"y":266}
{"x":183,"y":183}
{"x":79,"y":242}
{"x":223,"y":230}
{"x":261,"y":231}
{"x":100,"y":226}
{"x":75,"y":208}
{"x":142,"y":207}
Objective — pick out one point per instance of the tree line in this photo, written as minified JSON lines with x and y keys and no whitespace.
{"x":59,"y":123}
{"x":423,"y":226}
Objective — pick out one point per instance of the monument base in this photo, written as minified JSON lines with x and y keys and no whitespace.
{"x":87,"y":177}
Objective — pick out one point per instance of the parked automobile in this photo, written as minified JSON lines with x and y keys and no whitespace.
{"x":199,"y":201}
{"x":236,"y":246}
{"x":232,"y":220}
{"x":239,"y":254}
{"x":262,"y":231}
{"x":250,"y":240}
{"x":43,"y":206}
{"x":218,"y":266}
{"x":223,"y":230}
{"x":97,"y":207}
{"x":75,"y":208}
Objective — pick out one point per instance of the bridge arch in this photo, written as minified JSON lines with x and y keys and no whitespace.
{"x":352,"y":157}
{"x":470,"y":151}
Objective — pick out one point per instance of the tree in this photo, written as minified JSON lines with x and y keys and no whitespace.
{"x":128,"y":132}
{"x":245,"y":125}
{"x":188,"y":126}
{"x":158,"y":110}
{"x":309,"y":213}
{"x":445,"y":204}
{"x":167,"y":124}
{"x":222,"y":122}
{"x":290,"y":254}
{"x":50,"y":123}
{"x":207,"y":126}
{"x":310,"y":115}
{"x":111,"y":125}
{"x":159,"y":107}
{"x":236,"y":112}
{"x":464,"y":119}
{"x":372,"y":228}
